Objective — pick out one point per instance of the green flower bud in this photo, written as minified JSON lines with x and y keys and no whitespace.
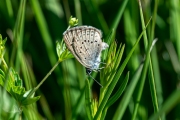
{"x":73,"y":21}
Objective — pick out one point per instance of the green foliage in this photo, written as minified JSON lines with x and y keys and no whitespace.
{"x":62,"y":52}
{"x":12,"y":83}
{"x":15,"y":87}
{"x":140,"y":79}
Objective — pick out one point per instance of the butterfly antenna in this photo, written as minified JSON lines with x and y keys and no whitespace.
{"x":95,"y":80}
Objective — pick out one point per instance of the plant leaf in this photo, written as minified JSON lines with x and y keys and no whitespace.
{"x":62,"y":52}
{"x":30,"y":100}
{"x":17,"y":92}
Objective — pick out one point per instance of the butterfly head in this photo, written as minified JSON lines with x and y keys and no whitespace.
{"x":88,"y":71}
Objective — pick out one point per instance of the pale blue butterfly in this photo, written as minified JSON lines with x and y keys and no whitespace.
{"x":86,"y":45}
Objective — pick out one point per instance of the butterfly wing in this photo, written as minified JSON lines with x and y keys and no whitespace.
{"x":91,"y":40}
{"x":75,"y":43}
{"x":85,"y":44}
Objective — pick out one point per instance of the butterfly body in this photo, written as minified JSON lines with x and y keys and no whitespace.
{"x":86,"y":45}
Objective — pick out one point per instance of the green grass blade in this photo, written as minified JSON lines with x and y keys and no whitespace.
{"x":43,"y":27}
{"x":131,"y":31}
{"x":175,"y":25}
{"x":78,"y":106}
{"x":78,"y":11}
{"x":18,"y":34}
{"x":119,"y":92}
{"x":30,"y":77}
{"x":151,"y":78}
{"x":173,"y":56}
{"x":154,"y":72}
{"x":88,"y":100}
{"x":172,"y":100}
{"x":146,"y":64}
{"x":127,"y":95}
{"x":9,"y":8}
{"x":26,"y":73}
{"x":119,"y":15}
{"x":115,"y":96}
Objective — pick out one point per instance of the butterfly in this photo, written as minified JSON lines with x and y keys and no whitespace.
{"x":85,"y":44}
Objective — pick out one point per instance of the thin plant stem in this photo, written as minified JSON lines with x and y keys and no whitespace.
{"x":42,"y":81}
{"x":48,"y":74}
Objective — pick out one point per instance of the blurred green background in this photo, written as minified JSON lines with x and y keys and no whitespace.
{"x":32,"y":28}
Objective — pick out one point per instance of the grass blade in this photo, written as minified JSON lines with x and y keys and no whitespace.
{"x":127,"y":95}
{"x":168,"y":105}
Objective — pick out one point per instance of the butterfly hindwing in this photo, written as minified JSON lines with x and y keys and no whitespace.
{"x":85,"y":44}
